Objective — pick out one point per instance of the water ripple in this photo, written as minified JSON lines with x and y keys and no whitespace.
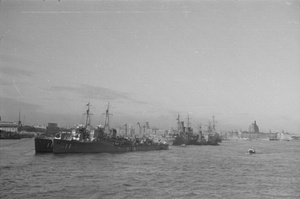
{"x":225,"y":171}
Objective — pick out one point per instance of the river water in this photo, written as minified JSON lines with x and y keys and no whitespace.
{"x":224,"y":171}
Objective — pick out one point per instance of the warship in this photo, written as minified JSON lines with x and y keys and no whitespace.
{"x":9,"y":135}
{"x":43,"y":144}
{"x":104,"y":140}
{"x":186,"y":136}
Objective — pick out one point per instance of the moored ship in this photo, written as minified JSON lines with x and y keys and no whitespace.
{"x":10,"y":130}
{"x":273,"y":139}
{"x":9,"y":135}
{"x":169,"y":139}
{"x":104,"y":146}
{"x":185,"y":136}
{"x":43,"y":145}
{"x":103,"y":141}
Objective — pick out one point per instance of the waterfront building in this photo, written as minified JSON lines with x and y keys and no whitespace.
{"x":52,"y":129}
{"x":9,"y":126}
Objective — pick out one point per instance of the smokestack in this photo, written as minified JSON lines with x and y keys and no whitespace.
{"x":19,"y":118}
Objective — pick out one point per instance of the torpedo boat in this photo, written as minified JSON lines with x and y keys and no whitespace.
{"x":186,"y":136}
{"x":43,"y":144}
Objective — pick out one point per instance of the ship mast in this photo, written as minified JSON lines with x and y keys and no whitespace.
{"x":125,"y":130}
{"x":200,"y":132}
{"x":178,"y":122}
{"x":188,"y":121}
{"x":214,"y":124}
{"x":200,"y":128}
{"x":107,"y":114}
{"x":209,"y":127}
{"x":88,"y":114}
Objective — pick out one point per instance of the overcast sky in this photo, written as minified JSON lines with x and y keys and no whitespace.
{"x":236,"y":60}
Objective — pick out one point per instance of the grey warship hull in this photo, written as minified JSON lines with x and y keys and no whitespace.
{"x":67,"y":146}
{"x":186,"y":141}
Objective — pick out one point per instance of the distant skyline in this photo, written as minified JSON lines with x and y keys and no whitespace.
{"x":238,"y":61}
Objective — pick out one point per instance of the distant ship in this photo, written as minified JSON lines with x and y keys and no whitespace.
{"x":9,"y":135}
{"x":169,"y":139}
{"x":103,"y":141}
{"x":280,"y":136}
{"x":185,"y":136}
{"x":273,"y":136}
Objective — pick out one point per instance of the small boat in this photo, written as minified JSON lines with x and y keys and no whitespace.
{"x":251,"y":151}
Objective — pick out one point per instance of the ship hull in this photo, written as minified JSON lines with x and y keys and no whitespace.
{"x":181,"y":140}
{"x":169,"y":140}
{"x":43,"y":145}
{"x":273,"y":139}
{"x":205,"y":143}
{"x":67,"y":146}
{"x":9,"y":135}
{"x":11,"y":138}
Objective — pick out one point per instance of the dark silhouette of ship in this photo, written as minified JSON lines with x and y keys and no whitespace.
{"x":186,"y":136}
{"x":10,"y":130}
{"x":9,"y":135}
{"x":43,"y":144}
{"x":105,"y":140}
